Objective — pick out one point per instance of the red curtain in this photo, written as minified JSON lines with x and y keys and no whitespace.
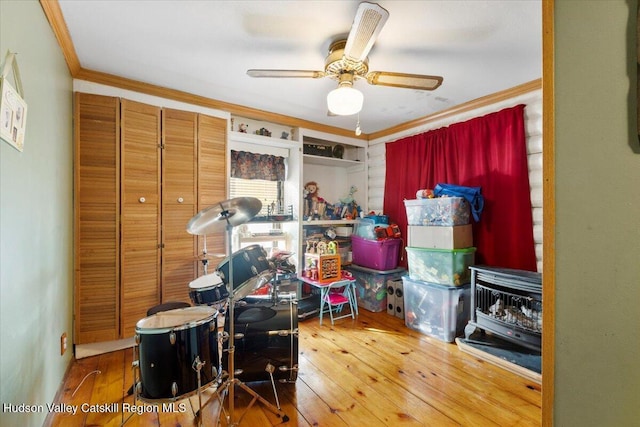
{"x":488,"y":152}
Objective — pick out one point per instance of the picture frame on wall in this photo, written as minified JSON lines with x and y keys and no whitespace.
{"x":13,"y":108}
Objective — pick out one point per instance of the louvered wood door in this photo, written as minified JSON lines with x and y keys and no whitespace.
{"x":212,"y":176}
{"x":140,"y":212}
{"x":96,"y":223}
{"x":179,"y":203}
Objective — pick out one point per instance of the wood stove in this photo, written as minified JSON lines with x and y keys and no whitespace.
{"x":508,"y":303}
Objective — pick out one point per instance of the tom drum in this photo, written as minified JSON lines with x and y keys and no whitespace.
{"x":248,"y":263}
{"x":208,"y":289}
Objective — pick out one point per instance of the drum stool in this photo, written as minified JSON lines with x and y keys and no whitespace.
{"x":166,"y":306}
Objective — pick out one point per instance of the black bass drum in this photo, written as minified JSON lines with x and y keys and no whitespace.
{"x":171,"y":344}
{"x":265,"y":334}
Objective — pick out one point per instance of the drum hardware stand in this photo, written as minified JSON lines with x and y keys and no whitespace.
{"x":227,"y":388}
{"x":205,"y":261}
{"x":197,"y":366}
{"x":231,"y":212}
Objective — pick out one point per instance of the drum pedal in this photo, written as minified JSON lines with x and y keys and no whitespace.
{"x":270,"y":369}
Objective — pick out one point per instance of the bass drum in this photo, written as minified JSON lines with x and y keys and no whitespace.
{"x":269,"y":335}
{"x":170,"y":344}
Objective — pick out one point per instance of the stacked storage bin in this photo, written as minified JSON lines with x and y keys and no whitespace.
{"x":439,"y":253}
{"x":375,"y":262}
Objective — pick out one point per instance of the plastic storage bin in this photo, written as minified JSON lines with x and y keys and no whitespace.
{"x":375,"y":254}
{"x":441,"y":266}
{"x":364,"y":228}
{"x":444,"y":211}
{"x":371,"y":286}
{"x":436,"y":310}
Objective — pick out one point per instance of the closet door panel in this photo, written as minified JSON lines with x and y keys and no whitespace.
{"x":179,"y":199}
{"x":96,"y":207}
{"x":140,"y":212}
{"x":212,"y":174}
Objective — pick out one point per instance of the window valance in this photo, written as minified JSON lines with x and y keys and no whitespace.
{"x":248,"y":165}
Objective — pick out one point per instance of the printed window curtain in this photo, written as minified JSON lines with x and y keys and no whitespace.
{"x":248,"y":165}
{"x":488,"y":152}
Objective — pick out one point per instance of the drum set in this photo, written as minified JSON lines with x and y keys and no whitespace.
{"x":227,"y":337}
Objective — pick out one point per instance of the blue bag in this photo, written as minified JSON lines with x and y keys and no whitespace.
{"x":471,"y":194}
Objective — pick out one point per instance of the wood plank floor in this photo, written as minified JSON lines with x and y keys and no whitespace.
{"x":372,"y":371}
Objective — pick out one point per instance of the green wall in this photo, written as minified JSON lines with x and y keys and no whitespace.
{"x":36,"y":220}
{"x":597,"y":253}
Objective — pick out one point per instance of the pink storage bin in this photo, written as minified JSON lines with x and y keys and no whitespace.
{"x":375,"y":254}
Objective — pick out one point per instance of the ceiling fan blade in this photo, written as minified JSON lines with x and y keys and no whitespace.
{"x":369,"y":20}
{"x":286,"y":73}
{"x":409,"y":81}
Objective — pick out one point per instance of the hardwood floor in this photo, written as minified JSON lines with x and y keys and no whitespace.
{"x":372,"y":371}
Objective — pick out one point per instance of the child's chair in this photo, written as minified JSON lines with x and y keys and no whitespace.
{"x":337,"y":295}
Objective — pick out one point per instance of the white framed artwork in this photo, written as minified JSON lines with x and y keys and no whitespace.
{"x":13,"y":108}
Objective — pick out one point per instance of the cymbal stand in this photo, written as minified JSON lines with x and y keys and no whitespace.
{"x":228,"y":386}
{"x":205,"y":261}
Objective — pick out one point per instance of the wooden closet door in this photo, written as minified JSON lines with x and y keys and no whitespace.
{"x":140,"y":212}
{"x":96,"y":219}
{"x":212,"y":176}
{"x":179,"y":203}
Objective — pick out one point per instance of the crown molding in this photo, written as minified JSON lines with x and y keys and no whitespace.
{"x":462,"y":108}
{"x":53,"y":13}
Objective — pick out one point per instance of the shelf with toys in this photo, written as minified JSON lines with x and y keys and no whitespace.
{"x":325,"y":185}
{"x":334,"y":191}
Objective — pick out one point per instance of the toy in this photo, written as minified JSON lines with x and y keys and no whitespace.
{"x":349,"y":199}
{"x":314,"y":205}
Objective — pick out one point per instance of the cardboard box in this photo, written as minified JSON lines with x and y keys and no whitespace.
{"x":424,"y":236}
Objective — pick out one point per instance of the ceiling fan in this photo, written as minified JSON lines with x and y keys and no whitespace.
{"x":347,"y":62}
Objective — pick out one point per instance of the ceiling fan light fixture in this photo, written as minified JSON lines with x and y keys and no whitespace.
{"x":345,"y":101}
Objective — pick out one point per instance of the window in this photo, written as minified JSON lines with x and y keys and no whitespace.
{"x":270,"y":193}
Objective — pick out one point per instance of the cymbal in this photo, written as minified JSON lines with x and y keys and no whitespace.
{"x":229,"y":212}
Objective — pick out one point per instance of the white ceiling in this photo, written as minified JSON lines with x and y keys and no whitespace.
{"x":205,"y":47}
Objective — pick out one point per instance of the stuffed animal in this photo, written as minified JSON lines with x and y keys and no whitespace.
{"x":349,"y":199}
{"x":311,"y":199}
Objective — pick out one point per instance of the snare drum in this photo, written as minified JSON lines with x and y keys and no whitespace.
{"x":247,"y":263}
{"x":171,"y":345}
{"x":208,"y":289}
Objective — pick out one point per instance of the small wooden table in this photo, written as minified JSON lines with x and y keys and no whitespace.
{"x":350,"y":282}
